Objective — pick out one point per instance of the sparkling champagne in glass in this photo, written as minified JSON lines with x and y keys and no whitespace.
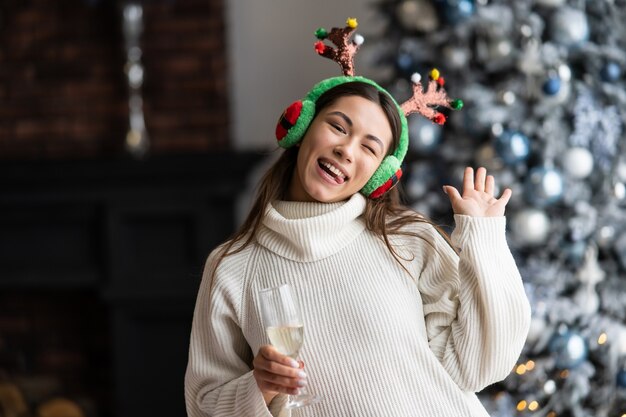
{"x":283,"y":323}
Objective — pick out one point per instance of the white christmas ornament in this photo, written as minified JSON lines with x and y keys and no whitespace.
{"x":578,"y":162}
{"x":417,"y":15}
{"x":487,"y":157}
{"x":550,"y":3}
{"x":589,"y":275}
{"x":620,"y":170}
{"x":530,"y":226}
{"x":569,"y":26}
{"x":536,"y":329}
{"x":621,"y":341}
{"x":619,"y":190}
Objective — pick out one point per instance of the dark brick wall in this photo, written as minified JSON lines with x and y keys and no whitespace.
{"x":63,"y":91}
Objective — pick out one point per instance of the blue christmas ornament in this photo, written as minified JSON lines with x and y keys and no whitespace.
{"x":405,"y":62}
{"x":574,"y":251}
{"x":424,"y":135}
{"x":620,"y":378}
{"x":569,"y":349}
{"x":611,"y":72}
{"x":455,"y":11}
{"x":543,"y":186}
{"x":552,"y":86}
{"x":512,"y":147}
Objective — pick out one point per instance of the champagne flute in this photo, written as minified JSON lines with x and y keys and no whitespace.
{"x":283,"y":323}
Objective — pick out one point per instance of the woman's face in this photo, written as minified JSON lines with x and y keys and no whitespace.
{"x":340,"y":151}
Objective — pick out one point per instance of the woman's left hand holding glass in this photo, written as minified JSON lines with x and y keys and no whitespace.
{"x":477,"y":199}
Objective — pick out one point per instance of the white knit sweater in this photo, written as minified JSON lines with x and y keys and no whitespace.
{"x":378,"y":342}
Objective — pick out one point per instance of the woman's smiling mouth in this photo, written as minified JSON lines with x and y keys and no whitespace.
{"x":337,"y":175}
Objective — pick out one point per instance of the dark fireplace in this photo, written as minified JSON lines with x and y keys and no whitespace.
{"x":100,"y":262}
{"x":55,"y":344}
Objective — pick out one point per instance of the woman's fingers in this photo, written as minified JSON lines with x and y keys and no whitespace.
{"x":452,"y":192}
{"x":506,"y":196}
{"x":279,"y":369}
{"x":280,"y":381}
{"x":479,"y":183}
{"x":271,"y":354}
{"x":490,"y":185}
{"x":275,"y":372}
{"x":468,"y":179}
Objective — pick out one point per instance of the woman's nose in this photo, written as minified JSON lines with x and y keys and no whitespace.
{"x":345,"y":151}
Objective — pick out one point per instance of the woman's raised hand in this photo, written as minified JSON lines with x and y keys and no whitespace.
{"x":477,"y":199}
{"x":276,"y":373}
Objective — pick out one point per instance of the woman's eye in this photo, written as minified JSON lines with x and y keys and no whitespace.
{"x":338,"y":128}
{"x":370,"y":149}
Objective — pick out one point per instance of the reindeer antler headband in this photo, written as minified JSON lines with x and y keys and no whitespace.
{"x":421,"y":102}
{"x":297,"y":117}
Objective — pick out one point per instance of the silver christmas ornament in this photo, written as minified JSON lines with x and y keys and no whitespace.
{"x":569,"y":27}
{"x":605,"y":236}
{"x":537,"y":328}
{"x":565,"y":73}
{"x":577,"y":162}
{"x":620,"y":170}
{"x":507,"y":97}
{"x":543,"y":186}
{"x":589,"y":275}
{"x":619,"y":190}
{"x":530,"y":226}
{"x":486,"y":157}
{"x":549,"y":387}
{"x":456,"y":57}
{"x":550,"y":3}
{"x":569,"y":349}
{"x":417,"y":15}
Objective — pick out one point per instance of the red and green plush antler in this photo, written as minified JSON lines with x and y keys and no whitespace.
{"x":345,"y":49}
{"x":423,"y":102}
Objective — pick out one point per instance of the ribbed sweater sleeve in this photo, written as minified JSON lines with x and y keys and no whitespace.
{"x":476,"y":311}
{"x":219,"y":380}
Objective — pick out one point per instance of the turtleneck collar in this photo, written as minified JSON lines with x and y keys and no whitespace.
{"x":307,"y":232}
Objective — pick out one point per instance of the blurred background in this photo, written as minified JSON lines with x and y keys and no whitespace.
{"x":132,"y":135}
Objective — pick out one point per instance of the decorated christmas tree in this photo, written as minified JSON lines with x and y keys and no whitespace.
{"x":545,"y":106}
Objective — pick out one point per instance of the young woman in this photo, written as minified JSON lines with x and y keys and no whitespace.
{"x":399,"y":319}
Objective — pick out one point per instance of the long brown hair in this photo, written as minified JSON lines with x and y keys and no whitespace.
{"x":384,"y":216}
